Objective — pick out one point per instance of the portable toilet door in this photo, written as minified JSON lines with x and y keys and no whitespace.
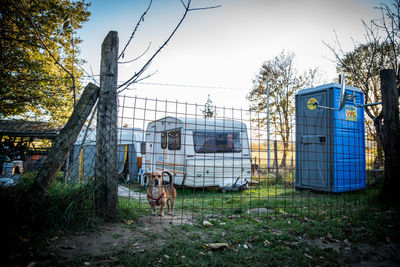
{"x":330,"y":143}
{"x":312,"y":135}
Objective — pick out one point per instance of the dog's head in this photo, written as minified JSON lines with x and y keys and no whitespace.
{"x":155,"y":178}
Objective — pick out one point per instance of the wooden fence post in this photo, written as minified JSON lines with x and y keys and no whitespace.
{"x":106,"y":179}
{"x":391,"y":135}
{"x":65,"y":140}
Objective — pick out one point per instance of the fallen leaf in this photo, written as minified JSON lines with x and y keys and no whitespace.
{"x":23,"y":239}
{"x":282,"y":211}
{"x":291,"y":244}
{"x":217,"y":245}
{"x":347,"y":242}
{"x":330,"y":238}
{"x":308,"y":256}
{"x":31,"y":264}
{"x":254,"y":238}
{"x":267,"y":243}
{"x":207,"y":224}
{"x":257,"y":220}
{"x":277,"y":232}
{"x":129,"y":222}
{"x":166,"y":256}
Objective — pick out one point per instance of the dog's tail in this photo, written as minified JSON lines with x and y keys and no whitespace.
{"x":171,"y":178}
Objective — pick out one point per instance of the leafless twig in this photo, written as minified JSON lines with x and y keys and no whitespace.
{"x":134,"y":30}
{"x":136,"y":76}
{"x":130,"y":61}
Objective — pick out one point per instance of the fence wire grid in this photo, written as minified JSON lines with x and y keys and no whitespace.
{"x":226,"y":165}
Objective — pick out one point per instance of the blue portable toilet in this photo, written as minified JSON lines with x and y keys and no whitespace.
{"x":330,"y":143}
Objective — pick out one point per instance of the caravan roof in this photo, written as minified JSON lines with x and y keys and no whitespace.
{"x":125,"y":136}
{"x":210,"y":124}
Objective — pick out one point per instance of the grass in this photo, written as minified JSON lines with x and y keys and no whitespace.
{"x":66,"y":207}
{"x":270,"y":240}
{"x":301,"y":228}
{"x":278,"y":197}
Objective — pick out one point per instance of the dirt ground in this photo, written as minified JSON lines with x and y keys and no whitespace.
{"x":112,"y":238}
{"x":147,"y":234}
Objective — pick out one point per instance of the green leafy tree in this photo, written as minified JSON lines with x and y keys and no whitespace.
{"x":284,"y":82}
{"x":39,"y":47}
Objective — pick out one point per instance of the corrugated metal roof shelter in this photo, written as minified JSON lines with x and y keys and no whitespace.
{"x":28,"y":129}
{"x":27,"y":141}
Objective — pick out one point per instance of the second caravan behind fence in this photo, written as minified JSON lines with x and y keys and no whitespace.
{"x":199,"y":152}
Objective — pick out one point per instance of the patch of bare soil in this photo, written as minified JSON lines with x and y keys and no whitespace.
{"x":105,"y":240}
{"x":137,"y":235}
{"x":360,"y":254}
{"x":369,"y":255}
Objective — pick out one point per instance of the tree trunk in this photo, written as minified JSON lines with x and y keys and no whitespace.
{"x":391,"y":139}
{"x":284,"y":154}
{"x":378,"y":162}
{"x":106,"y":178}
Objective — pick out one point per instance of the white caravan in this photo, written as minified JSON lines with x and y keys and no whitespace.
{"x":199,"y":152}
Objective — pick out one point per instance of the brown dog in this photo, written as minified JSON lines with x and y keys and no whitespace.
{"x":159,"y":194}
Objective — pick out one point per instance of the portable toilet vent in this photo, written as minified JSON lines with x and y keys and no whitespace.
{"x":330,"y":141}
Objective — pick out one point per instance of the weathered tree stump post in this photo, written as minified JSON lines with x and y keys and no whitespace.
{"x":391,"y":136}
{"x":65,"y":141}
{"x":106,"y":179}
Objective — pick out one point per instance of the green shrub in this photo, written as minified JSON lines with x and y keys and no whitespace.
{"x":64,"y":207}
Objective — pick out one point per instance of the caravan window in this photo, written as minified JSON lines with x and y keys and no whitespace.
{"x":164,"y":140}
{"x":172,"y":139}
{"x":217,"y":142}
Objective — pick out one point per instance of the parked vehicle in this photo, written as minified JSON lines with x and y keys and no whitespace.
{"x":199,"y":152}
{"x":129,"y":158}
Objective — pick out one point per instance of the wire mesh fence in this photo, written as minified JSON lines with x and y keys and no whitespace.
{"x":226,"y":165}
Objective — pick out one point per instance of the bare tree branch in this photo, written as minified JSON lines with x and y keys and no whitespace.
{"x":89,"y":75}
{"x":183,"y":3}
{"x":130,"y":61}
{"x":134,"y":30}
{"x":135,"y":77}
{"x":204,"y":8}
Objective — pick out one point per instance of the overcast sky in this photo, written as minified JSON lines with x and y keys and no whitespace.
{"x":221,"y":50}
